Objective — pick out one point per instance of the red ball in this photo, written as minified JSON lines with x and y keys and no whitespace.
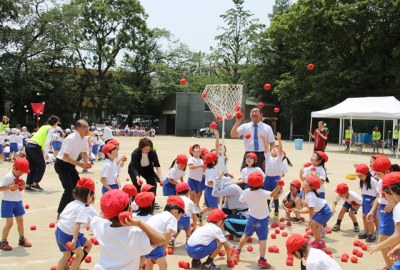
{"x":274,"y":225}
{"x":261,"y":105}
{"x":289,"y":262}
{"x":237,"y":107}
{"x":282,"y":219}
{"x":267,"y":86}
{"x":271,"y":249}
{"x":276,"y":249}
{"x":310,"y":66}
{"x":276,"y":109}
{"x":284,"y":234}
{"x":364,"y":247}
{"x":52,"y":225}
{"x":345,"y":255}
{"x":249,"y":248}
{"x":281,"y":227}
{"x":328,"y":231}
{"x":186,"y":265}
{"x":33,"y":228}
{"x":26,"y":206}
{"x":213,"y":125}
{"x":229,"y":116}
{"x":247,"y":136}
{"x":354,"y":259}
{"x":249,"y":240}
{"x":281,"y":183}
{"x":218,"y":117}
{"x":289,"y":223}
{"x":95,"y":242}
{"x":68,"y":246}
{"x":182,"y":81}
{"x":235,"y":261}
{"x":221,"y":253}
{"x":88,"y":259}
{"x":360,"y":254}
{"x":328,"y":251}
{"x":239,"y":115}
{"x":170,"y":251}
{"x":231,"y":264}
{"x":204,"y":94}
{"x":356,"y":243}
{"x":123,"y":216}
{"x":277,"y":231}
{"x":273,"y":236}
{"x":290,"y":257}
{"x":230,"y":237}
{"x":180,"y":264}
{"x":53,"y":267}
{"x":344,"y":259}
{"x":355,"y":251}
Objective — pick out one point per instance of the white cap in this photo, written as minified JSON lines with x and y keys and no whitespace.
{"x":24,"y":128}
{"x":95,"y":132}
{"x":67,"y":130}
{"x":8,"y":129}
{"x":14,"y":130}
{"x":58,"y":128}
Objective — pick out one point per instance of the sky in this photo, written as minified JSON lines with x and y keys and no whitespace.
{"x":195,"y":22}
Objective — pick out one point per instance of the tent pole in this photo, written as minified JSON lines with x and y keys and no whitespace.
{"x":340,"y":133}
{"x":309,"y":137}
{"x":351,"y":137}
{"x":383,"y":137}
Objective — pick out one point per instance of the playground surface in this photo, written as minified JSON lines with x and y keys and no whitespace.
{"x":43,"y":205}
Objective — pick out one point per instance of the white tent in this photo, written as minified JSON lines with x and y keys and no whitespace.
{"x":367,"y":108}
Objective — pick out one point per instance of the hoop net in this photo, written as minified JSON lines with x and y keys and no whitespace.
{"x":224,"y":100}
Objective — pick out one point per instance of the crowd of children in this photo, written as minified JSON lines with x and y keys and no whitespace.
{"x":131,"y":235}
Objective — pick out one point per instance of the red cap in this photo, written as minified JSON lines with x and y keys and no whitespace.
{"x":381,"y":164}
{"x":362,"y":169}
{"x":296,"y":183}
{"x":108,"y":148}
{"x":191,"y":149}
{"x":130,"y":189}
{"x":255,"y":179}
{"x":113,"y":141}
{"x":314,"y":181}
{"x":146,"y":188}
{"x":144,"y":199}
{"x":295,"y":242}
{"x":182,"y":186}
{"x":307,"y":164}
{"x":377,"y":156}
{"x":390,"y":179}
{"x":203,"y":151}
{"x":182,"y":159}
{"x":87,"y":183}
{"x":252,"y":155}
{"x":210,"y":157}
{"x":177,"y":201}
{"x":341,"y":188}
{"x":216,"y":215}
{"x":22,"y":164}
{"x":113,"y":202}
{"x":323,"y":155}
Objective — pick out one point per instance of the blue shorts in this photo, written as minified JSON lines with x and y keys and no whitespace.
{"x":194,"y":185}
{"x":321,"y":195}
{"x":13,"y":147}
{"x":104,"y":189}
{"x":396,"y":265}
{"x":270,"y":182}
{"x":1,"y":149}
{"x":56,"y":145}
{"x":101,"y":148}
{"x":11,"y":209}
{"x":203,"y":183}
{"x":348,"y":206}
{"x":367,"y":203}
{"x":168,"y":188}
{"x":322,"y":217}
{"x":386,"y":223}
{"x":210,"y":200}
{"x":156,"y":253}
{"x":184,"y":223}
{"x":259,"y":226}
{"x":62,"y":239}
{"x":199,"y":252}
{"x":6,"y":154}
{"x":95,"y":149}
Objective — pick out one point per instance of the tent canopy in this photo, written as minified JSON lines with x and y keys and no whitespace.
{"x":371,"y":108}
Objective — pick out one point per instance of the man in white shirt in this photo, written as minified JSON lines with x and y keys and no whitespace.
{"x":250,"y":132}
{"x":66,"y":162}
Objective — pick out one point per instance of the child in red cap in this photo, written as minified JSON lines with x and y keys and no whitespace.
{"x":11,"y":204}
{"x":292,"y":199}
{"x":208,"y":241}
{"x":121,"y":242}
{"x":391,"y":189}
{"x":166,"y":223}
{"x":75,"y":215}
{"x":175,"y":175}
{"x":368,"y":185}
{"x":109,"y":172}
{"x":182,"y":189}
{"x":257,"y":200}
{"x":144,"y":202}
{"x":196,"y":169}
{"x":315,"y":259}
{"x":131,"y":190}
{"x":251,"y":166}
{"x":316,"y":207}
{"x":352,"y":202}
{"x":317,"y":168}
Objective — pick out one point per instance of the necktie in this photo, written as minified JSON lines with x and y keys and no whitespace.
{"x":256,"y":137}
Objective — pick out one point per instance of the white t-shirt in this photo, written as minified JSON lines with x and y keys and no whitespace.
{"x":109,"y":171}
{"x":273,"y":165}
{"x":206,"y":234}
{"x":372,"y":191}
{"x":143,"y":218}
{"x":353,"y":197}
{"x":8,"y":195}
{"x":313,"y":201}
{"x":292,"y":197}
{"x":175,"y":173}
{"x":396,"y":213}
{"x":190,"y":209}
{"x":121,"y":247}
{"x":211,"y":174}
{"x":75,"y":212}
{"x":107,"y":133}
{"x":195,"y":174}
{"x":381,"y":200}
{"x":262,"y":128}
{"x":318,"y":260}
{"x":163,"y":221}
{"x":73,"y":145}
{"x":248,"y":170}
{"x":257,"y":201}
{"x":321,"y":173}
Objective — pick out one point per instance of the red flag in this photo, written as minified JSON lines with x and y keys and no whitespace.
{"x":38,"y":108}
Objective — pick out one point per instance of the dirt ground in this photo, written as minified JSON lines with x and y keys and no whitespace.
{"x":44,"y":253}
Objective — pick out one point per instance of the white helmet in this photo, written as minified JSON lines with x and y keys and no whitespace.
{"x":68,"y":130}
{"x":14,"y":130}
{"x":8,"y":130}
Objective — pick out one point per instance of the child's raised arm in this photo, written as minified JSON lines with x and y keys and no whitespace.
{"x":216,"y":133}
{"x":280,"y":147}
